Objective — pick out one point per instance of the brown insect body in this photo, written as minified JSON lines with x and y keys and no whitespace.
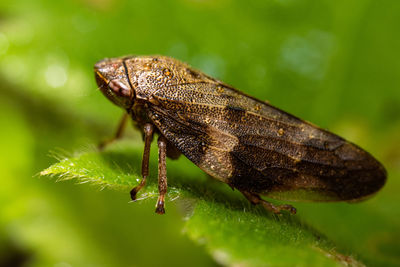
{"x":248,"y":144}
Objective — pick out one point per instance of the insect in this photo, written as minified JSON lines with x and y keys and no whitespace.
{"x":250,"y":145}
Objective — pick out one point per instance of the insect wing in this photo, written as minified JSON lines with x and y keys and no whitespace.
{"x":256,"y":147}
{"x":205,"y":147}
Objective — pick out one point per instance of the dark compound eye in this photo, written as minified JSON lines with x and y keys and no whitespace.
{"x":119,"y":88}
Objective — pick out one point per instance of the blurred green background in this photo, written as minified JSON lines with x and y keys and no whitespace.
{"x":335,"y":63}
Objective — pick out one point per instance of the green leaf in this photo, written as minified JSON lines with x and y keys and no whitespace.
{"x":233,"y":231}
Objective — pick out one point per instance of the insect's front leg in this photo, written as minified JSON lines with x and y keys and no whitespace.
{"x":162,"y":174}
{"x":118,"y":133}
{"x":256,"y":199}
{"x":148,"y":130}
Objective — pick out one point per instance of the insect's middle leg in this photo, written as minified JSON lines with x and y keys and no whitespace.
{"x":148,"y":130}
{"x":162,"y":174}
{"x":256,"y":199}
{"x":118,"y":133}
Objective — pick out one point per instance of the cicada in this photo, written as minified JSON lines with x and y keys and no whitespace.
{"x":246,"y":143}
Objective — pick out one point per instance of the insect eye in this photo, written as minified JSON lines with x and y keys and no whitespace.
{"x":119,"y":88}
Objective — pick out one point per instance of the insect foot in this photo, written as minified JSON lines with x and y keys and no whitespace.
{"x":134,"y":192}
{"x":277,"y":209}
{"x":160,"y":206}
{"x":256,"y":199}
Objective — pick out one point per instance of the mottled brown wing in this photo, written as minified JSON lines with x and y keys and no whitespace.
{"x":210,"y":151}
{"x":259,"y":148}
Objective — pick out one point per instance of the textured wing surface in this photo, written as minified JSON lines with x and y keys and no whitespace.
{"x":259,"y":148}
{"x":208,"y":150}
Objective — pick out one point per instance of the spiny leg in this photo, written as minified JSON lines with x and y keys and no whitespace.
{"x":162,"y":174}
{"x":148,"y":130}
{"x":256,"y":199}
{"x":118,"y":133}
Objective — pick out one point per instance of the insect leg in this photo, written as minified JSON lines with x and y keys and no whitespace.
{"x":256,"y":199}
{"x":148,"y":130}
{"x":162,"y":174}
{"x":118,"y":133}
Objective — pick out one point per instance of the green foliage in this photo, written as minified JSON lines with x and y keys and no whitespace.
{"x":117,"y":169}
{"x":232,"y":230}
{"x":335,"y":63}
